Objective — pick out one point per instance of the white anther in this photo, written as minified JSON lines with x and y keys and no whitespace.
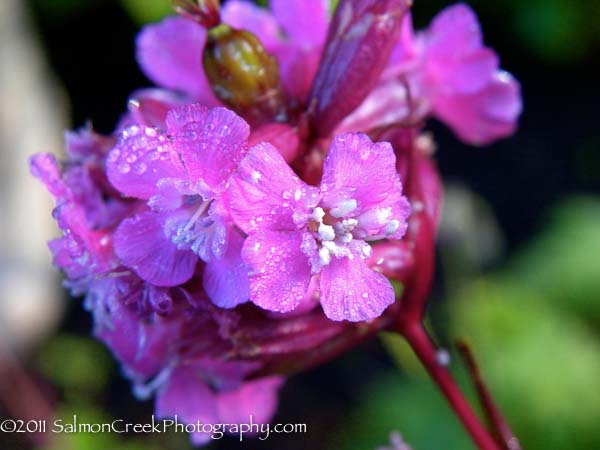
{"x":349,"y":224}
{"x":367,"y":251}
{"x":346,"y":238}
{"x":326,"y":232}
{"x":392,"y":227}
{"x":318,"y":214}
{"x":324,"y":256}
{"x":344,"y":207}
{"x":329,"y":245}
{"x":384,"y":214}
{"x":297,"y":194}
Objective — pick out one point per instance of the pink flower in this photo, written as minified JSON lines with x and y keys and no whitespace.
{"x":297,"y":231}
{"x":173,"y":223}
{"x":445,"y":71}
{"x":188,"y":395}
{"x":182,"y":175}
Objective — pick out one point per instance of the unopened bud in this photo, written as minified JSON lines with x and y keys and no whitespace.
{"x":206,"y":12}
{"x":243,"y":75}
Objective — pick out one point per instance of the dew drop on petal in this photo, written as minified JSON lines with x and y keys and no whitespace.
{"x":124,"y":167}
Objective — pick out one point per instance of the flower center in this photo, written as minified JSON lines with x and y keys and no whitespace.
{"x":334,"y":233}
{"x":193,"y":233}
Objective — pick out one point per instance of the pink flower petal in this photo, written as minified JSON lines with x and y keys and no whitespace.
{"x":360,"y":177}
{"x":394,"y":259}
{"x":256,"y":398}
{"x":150,"y":107}
{"x":211,"y":142}
{"x":283,"y":137}
{"x":170,"y":54}
{"x":467,"y":75}
{"x":141,"y":158}
{"x":246,"y":15}
{"x":142,"y":345}
{"x":304,"y":21}
{"x":453,"y":32}
{"x":483,"y":117}
{"x":297,"y":68}
{"x":386,"y":104}
{"x":226,"y":279}
{"x":279,"y":271}
{"x":188,"y":396}
{"x":265,"y":193}
{"x":142,"y":244}
{"x":350,"y":290}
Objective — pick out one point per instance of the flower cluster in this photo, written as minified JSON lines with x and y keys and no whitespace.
{"x":246,"y":217}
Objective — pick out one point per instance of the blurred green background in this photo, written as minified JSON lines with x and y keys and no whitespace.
{"x":519,"y":252}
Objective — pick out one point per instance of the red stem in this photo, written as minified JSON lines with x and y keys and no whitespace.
{"x":500,"y":427}
{"x":421,"y":344}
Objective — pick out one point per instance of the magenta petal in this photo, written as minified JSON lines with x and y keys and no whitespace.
{"x":150,"y":107}
{"x":246,"y":15}
{"x":226,"y":279}
{"x":394,"y":259}
{"x":386,"y":104}
{"x":453,"y":32}
{"x":169,"y":53}
{"x":486,"y":116}
{"x":283,"y":137}
{"x":350,"y":290}
{"x":187,"y":396}
{"x":141,"y":158}
{"x":257,"y":399}
{"x":468,"y":75}
{"x":360,"y":173}
{"x":45,"y":167}
{"x":141,"y":243}
{"x":265,"y":193}
{"x":304,"y":21}
{"x":142,"y":345}
{"x":211,"y":141}
{"x":297,"y":68}
{"x":279,"y":271}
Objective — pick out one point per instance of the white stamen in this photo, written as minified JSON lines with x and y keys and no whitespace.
{"x":199,"y":212}
{"x":326,"y":232}
{"x":330,"y":246}
{"x":367,"y":251}
{"x":349,"y":224}
{"x":392,"y":227}
{"x":297,"y":194}
{"x":318,"y":214}
{"x":346,"y":238}
{"x":383,"y":215}
{"x":344,"y":207}
{"x":324,"y":256}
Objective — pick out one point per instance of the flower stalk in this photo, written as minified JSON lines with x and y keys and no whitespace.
{"x":427,"y":353}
